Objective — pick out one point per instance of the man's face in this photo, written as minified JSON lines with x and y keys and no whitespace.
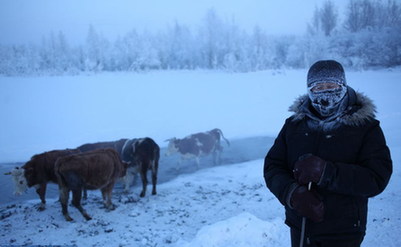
{"x":325,"y":86}
{"x":325,"y":97}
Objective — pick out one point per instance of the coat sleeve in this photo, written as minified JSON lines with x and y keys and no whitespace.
{"x":370,"y":176}
{"x":278,"y":176}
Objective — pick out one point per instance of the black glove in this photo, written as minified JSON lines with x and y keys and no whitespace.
{"x":307,"y":204}
{"x":309,"y":168}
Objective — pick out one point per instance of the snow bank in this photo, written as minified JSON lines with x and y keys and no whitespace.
{"x":243,"y":230}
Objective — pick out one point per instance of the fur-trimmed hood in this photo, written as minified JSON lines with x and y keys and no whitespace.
{"x":360,"y":109}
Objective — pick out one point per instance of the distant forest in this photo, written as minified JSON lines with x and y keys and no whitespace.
{"x":367,"y":36}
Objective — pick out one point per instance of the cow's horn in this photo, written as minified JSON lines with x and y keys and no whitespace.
{"x":7,"y":173}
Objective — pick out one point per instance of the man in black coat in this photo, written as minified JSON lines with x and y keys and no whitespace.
{"x":328,"y":159}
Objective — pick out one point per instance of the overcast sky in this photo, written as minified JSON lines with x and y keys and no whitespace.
{"x":25,"y":21}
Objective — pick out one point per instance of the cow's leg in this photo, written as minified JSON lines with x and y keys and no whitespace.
{"x":179,"y":162}
{"x":219,"y":151}
{"x":41,"y":191}
{"x":64,"y":194}
{"x":197,"y":162}
{"x":76,"y":201}
{"x":154,"y":164}
{"x":143,"y":171}
{"x":106,"y":194}
{"x":85,"y":193}
{"x":216,"y":157}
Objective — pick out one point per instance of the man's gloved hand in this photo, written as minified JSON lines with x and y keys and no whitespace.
{"x":309,"y":168}
{"x":307,"y":204}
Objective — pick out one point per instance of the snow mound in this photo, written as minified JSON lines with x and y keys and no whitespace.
{"x":244,"y":229}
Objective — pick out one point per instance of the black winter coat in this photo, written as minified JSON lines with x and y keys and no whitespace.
{"x":358,"y":164}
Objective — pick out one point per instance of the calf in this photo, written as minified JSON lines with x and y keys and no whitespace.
{"x":96,"y":169}
{"x":142,"y":155}
{"x":37,"y":172}
{"x":197,"y":145}
{"x":118,"y":146}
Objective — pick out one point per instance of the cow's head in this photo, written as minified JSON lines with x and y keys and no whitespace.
{"x":130,"y":154}
{"x":20,"y":183}
{"x":172,"y":147}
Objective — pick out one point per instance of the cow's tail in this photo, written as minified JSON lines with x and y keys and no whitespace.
{"x":222,"y":136}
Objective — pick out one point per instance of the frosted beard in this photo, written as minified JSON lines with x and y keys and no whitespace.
{"x":327,"y":102}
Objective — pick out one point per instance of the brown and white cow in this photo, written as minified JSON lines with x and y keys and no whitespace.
{"x":98,"y":169}
{"x":197,"y":145}
{"x":141,"y":154}
{"x":37,"y":172}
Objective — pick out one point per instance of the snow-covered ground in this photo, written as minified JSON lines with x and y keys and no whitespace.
{"x":226,"y":205}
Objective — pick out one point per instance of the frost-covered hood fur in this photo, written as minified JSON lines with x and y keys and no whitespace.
{"x":360,"y":109}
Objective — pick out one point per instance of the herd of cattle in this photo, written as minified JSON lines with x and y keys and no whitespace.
{"x":99,"y":165}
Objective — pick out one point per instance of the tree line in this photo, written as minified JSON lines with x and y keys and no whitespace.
{"x":369,"y":35}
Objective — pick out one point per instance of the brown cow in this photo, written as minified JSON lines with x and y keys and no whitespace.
{"x":98,"y":169}
{"x":37,"y":172}
{"x":119,"y":146}
{"x":197,"y":145}
{"x":141,"y":154}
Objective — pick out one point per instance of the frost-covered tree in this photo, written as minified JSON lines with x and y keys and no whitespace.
{"x":324,"y":19}
{"x":97,"y":48}
{"x":360,"y":15}
{"x":261,"y":49}
{"x":177,"y":47}
{"x":368,"y":37}
{"x":126,"y":51}
{"x":374,"y":33}
{"x":328,"y":17}
{"x":388,"y":14}
{"x":19,"y":59}
{"x":235,"y":48}
{"x":314,"y":28}
{"x":210,"y":36}
{"x":148,"y":58}
{"x":282,"y":45}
